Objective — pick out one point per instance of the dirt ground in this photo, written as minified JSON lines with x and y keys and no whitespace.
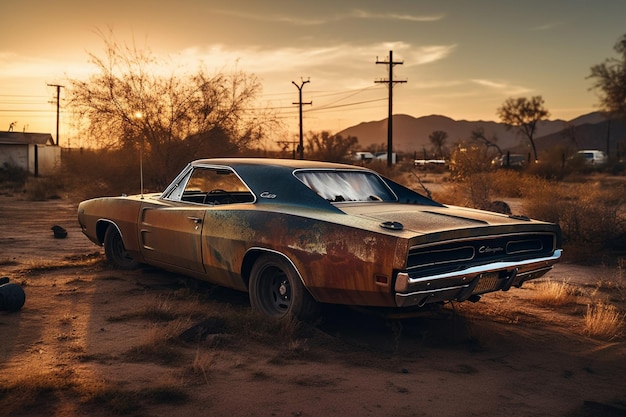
{"x":85,"y":345}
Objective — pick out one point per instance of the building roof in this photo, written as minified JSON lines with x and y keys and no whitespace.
{"x":19,"y":138}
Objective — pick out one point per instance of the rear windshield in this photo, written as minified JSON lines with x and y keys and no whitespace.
{"x":338,"y":186}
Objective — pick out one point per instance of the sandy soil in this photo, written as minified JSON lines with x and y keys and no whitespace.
{"x":85,"y":330}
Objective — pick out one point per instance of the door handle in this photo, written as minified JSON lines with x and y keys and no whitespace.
{"x":196,"y":220}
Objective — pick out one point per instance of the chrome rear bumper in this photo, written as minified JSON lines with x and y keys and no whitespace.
{"x":460,"y":285}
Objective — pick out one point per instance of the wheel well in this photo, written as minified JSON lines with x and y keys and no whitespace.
{"x":101,"y":229}
{"x":251,"y":257}
{"x":248,"y":261}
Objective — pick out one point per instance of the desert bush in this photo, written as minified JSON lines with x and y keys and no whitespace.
{"x":603,"y":321}
{"x":13,"y":175}
{"x":480,"y":189}
{"x":43,"y":188}
{"x":507,"y":183}
{"x":592,"y":215}
{"x":95,"y":173}
{"x":589,"y":214}
{"x":468,"y":160}
{"x":540,"y":197}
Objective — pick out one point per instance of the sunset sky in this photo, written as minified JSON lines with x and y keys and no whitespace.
{"x":461,"y":58}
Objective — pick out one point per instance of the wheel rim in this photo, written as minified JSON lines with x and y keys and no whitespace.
{"x":275,"y":291}
{"x":119,"y":250}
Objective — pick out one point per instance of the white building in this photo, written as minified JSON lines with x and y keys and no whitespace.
{"x":32,"y":152}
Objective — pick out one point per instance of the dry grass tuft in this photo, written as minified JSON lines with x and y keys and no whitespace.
{"x":614,"y":283}
{"x":158,"y":344}
{"x":43,"y":265}
{"x":603,"y":321}
{"x":553,"y":293}
{"x":202,"y":363}
{"x":37,"y":393}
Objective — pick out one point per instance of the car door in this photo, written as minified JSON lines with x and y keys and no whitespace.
{"x":171,"y":234}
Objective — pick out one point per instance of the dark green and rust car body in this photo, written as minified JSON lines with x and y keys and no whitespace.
{"x":398,"y":254}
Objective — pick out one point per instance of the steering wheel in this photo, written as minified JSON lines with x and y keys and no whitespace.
{"x":229,"y":197}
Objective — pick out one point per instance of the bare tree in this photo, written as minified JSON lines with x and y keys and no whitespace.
{"x":332,"y":148}
{"x":438,"y":140}
{"x":479,"y":135}
{"x":523,"y":114}
{"x":130,"y":102}
{"x":610,"y":80}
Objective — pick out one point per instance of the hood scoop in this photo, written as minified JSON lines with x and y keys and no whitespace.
{"x":392,"y":225}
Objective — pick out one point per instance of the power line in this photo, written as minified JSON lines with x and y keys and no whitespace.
{"x":21,"y":95}
{"x":321,"y":108}
{"x":25,"y":111}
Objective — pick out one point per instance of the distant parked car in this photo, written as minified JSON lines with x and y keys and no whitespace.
{"x":297,"y":233}
{"x":512,"y":160}
{"x":363,"y":156}
{"x":382,"y":156}
{"x":593,"y":157}
{"x":430,"y":163}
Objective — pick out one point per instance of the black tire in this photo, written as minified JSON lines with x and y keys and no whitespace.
{"x":12,"y":297}
{"x":116,"y":252}
{"x":277,"y":291}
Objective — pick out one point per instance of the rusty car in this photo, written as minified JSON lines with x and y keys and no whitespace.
{"x":299,"y":234}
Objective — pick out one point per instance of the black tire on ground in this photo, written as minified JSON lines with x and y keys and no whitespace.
{"x":277,"y":291}
{"x":12,"y":297}
{"x":115,"y":251}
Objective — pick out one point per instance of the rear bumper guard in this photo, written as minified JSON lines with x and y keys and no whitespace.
{"x":500,"y":276}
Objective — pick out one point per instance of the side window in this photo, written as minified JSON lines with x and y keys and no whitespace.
{"x":213,"y":186}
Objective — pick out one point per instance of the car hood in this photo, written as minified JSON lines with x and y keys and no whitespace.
{"x":427,"y":219}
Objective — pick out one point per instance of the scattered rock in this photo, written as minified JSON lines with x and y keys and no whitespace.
{"x":499,"y":207}
{"x":12,"y":296}
{"x":59,"y":232}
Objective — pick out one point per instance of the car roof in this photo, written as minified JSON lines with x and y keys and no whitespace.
{"x":275,"y":162}
{"x":275,"y":177}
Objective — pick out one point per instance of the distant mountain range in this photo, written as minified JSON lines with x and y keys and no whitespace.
{"x":411,"y":134}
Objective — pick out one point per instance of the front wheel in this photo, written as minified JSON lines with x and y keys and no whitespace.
{"x":115,"y":251}
{"x":277,"y":291}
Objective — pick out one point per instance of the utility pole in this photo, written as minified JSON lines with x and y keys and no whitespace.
{"x":301,"y":145}
{"x":391,"y":82}
{"x":58,"y":87}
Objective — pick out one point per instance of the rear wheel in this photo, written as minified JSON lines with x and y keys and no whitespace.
{"x":277,"y":291}
{"x":115,"y":251}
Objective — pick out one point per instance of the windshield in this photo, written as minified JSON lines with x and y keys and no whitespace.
{"x":337,"y":186}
